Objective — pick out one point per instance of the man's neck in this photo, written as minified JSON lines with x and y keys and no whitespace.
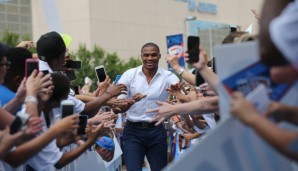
{"x":149,"y":73}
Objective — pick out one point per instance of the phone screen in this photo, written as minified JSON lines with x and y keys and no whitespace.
{"x":213,"y":65}
{"x":16,"y":125}
{"x":101,"y":74}
{"x":73,"y":64}
{"x":67,"y":109}
{"x":77,"y":89}
{"x":82,"y":124}
{"x":193,"y":44}
{"x":30,"y":66}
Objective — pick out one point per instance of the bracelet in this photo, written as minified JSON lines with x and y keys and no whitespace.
{"x":180,"y":71}
{"x":31,"y":99}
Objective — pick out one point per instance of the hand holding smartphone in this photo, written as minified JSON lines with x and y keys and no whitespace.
{"x":193,"y":44}
{"x":67,"y":108}
{"x":100,"y":73}
{"x":31,"y":64}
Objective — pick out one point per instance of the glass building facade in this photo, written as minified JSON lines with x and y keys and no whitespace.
{"x":15,"y":16}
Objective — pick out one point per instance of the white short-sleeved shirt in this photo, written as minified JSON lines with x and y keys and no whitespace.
{"x":283,"y":32}
{"x":136,"y":82}
{"x":48,"y":156}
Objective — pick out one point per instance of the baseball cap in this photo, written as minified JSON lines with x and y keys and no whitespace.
{"x":283,"y":32}
{"x":50,"y":45}
{"x":106,"y":142}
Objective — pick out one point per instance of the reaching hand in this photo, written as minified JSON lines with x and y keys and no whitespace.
{"x":34,"y":125}
{"x":203,"y":60}
{"x":174,"y":61}
{"x":7,"y":140}
{"x":163,"y":112}
{"x":116,"y":90}
{"x":68,"y":124}
{"x":36,"y":83}
{"x":92,"y":134}
{"x":138,"y":96}
{"x":26,"y":44}
{"x":242,"y":109}
{"x":21,"y":92}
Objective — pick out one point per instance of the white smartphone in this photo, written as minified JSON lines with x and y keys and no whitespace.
{"x":100,"y":73}
{"x":67,"y":108}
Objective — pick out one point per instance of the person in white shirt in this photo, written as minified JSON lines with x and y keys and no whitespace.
{"x":141,"y":137}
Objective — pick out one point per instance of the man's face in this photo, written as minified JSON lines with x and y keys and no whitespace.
{"x":150,"y":57}
{"x":284,"y":74}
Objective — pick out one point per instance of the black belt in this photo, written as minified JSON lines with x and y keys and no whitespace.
{"x":141,"y":124}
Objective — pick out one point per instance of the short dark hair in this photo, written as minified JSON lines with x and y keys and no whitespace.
{"x":50,"y":46}
{"x":150,"y":44}
{"x":17,"y":57}
{"x":61,"y":87}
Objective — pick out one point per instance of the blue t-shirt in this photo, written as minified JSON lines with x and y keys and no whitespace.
{"x":5,"y":95}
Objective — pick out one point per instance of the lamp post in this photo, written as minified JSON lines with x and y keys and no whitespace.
{"x":188,"y":18}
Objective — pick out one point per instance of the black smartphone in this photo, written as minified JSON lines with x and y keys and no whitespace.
{"x":100,"y":73}
{"x":77,"y":89}
{"x":71,"y":75}
{"x":31,"y":64}
{"x":73,"y":64}
{"x":199,"y":79}
{"x":20,"y":120}
{"x":213,"y":65}
{"x":82,"y":124}
{"x":193,"y":44}
{"x":67,"y":108}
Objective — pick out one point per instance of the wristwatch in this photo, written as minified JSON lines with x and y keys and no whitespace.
{"x":180,"y":71}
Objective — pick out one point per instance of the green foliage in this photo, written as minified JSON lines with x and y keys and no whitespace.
{"x":13,"y":39}
{"x":97,"y":56}
{"x":10,"y":38}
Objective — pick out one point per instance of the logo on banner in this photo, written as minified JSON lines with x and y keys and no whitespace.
{"x":175,"y":47}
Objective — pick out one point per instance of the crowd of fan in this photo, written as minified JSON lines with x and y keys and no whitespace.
{"x":190,"y":113}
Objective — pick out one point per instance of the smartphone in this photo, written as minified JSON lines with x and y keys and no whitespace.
{"x":71,"y":75}
{"x":82,"y":124}
{"x":117,"y":79}
{"x":193,"y":44}
{"x":213,"y":65}
{"x":100,"y":73}
{"x":199,"y":79}
{"x":73,"y":64}
{"x":31,"y":64}
{"x":20,"y":120}
{"x":67,"y":108}
{"x":77,"y":89}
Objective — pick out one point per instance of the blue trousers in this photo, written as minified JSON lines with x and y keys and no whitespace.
{"x":138,"y":142}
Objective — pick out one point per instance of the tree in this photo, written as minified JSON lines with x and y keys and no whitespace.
{"x":97,"y":56}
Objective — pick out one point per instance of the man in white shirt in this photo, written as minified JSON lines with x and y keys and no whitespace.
{"x":141,"y":137}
